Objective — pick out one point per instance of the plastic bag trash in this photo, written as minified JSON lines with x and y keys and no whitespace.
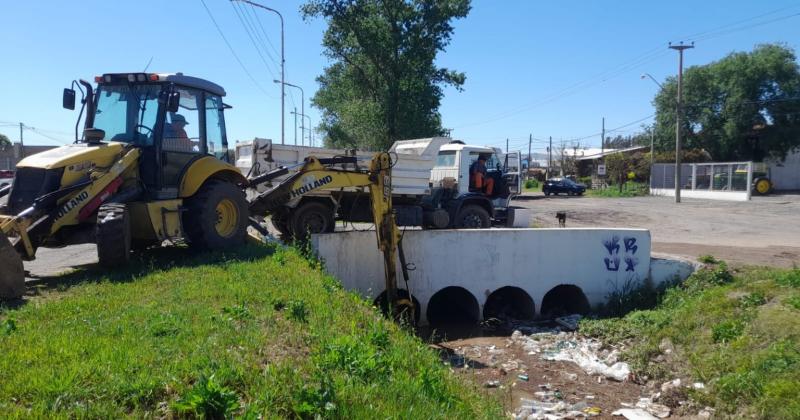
{"x":699,"y":385}
{"x":658,"y":410}
{"x":666,"y":386}
{"x":634,"y":414}
{"x":492,"y":384}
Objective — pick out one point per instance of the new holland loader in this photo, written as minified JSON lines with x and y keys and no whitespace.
{"x":152,"y":165}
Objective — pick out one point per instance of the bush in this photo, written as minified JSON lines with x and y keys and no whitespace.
{"x":531,"y":184}
{"x":585,"y":180}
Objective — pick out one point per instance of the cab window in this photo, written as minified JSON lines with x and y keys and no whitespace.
{"x":446,"y":158}
{"x":491,"y":163}
{"x":182,"y":128}
{"x":215,"y":128}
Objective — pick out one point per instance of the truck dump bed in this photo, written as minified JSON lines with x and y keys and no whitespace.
{"x":410,"y":174}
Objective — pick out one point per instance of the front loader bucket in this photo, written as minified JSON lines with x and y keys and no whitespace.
{"x":12,"y":272}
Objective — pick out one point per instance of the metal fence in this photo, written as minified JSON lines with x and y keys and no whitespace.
{"x":714,"y":176}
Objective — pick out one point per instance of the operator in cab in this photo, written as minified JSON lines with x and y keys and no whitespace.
{"x":175,"y":134}
{"x":477,"y":176}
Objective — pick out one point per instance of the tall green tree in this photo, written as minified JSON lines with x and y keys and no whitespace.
{"x":4,"y":142}
{"x":745,"y":106}
{"x":382,"y":84}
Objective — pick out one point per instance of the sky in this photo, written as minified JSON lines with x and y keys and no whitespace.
{"x":541,"y":68}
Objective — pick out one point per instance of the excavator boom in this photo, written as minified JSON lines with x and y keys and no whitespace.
{"x":314,"y":175}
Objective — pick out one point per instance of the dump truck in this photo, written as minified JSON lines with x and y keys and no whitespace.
{"x":430,"y":188}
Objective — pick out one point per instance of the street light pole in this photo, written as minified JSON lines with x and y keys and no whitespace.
{"x":283,"y":68}
{"x":302,"y":117}
{"x":680,"y":48}
{"x":302,"y":100}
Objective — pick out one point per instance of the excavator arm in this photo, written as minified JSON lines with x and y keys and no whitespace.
{"x":314,"y":175}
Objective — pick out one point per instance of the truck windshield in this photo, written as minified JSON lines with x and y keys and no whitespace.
{"x":127,"y":113}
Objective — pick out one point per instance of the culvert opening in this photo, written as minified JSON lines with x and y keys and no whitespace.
{"x":564,"y":299}
{"x":453,"y":305}
{"x":381,"y":302}
{"x":509,"y":302}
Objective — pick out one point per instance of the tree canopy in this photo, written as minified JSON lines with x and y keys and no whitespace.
{"x":4,"y":141}
{"x":382,"y":84}
{"x":745,"y":106}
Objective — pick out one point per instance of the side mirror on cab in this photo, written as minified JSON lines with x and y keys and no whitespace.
{"x":170,"y":100}
{"x":68,"y":100}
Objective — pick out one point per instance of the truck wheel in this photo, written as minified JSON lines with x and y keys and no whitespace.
{"x":472,"y":216}
{"x":216,"y":216}
{"x":311,"y":217}
{"x":113,"y":235}
{"x":762,"y":186}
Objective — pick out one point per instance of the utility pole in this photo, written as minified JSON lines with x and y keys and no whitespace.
{"x":680,"y":48}
{"x":603,"y":138}
{"x":295,"y":125}
{"x":652,"y":151}
{"x":530,"y":140}
{"x":21,"y":142}
{"x":550,"y":157}
{"x":283,"y":67}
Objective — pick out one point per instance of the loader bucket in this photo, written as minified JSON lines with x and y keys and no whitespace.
{"x":12,"y":273}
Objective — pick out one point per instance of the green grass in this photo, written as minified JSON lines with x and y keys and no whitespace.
{"x":629,"y":189}
{"x":739,"y":334}
{"x":261,"y":331}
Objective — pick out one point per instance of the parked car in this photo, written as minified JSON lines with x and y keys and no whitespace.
{"x":564,"y":186}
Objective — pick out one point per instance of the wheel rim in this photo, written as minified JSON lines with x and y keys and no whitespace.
{"x":313,"y":223}
{"x":227,"y":218}
{"x":762,"y":186}
{"x":472,"y":220}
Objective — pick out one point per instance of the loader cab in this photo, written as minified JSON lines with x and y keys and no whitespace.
{"x":175,"y":120}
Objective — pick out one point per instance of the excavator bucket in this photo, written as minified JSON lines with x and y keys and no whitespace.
{"x":12,"y":272}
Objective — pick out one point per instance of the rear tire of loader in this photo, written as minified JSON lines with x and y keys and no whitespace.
{"x":216,"y":216}
{"x":12,"y":272}
{"x":113,"y":235}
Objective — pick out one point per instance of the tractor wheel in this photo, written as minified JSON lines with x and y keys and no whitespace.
{"x":472,"y":216}
{"x":762,"y":186}
{"x":113,"y":235}
{"x":216,"y":216}
{"x":311,"y":217}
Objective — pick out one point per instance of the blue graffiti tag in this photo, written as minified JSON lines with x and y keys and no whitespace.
{"x":631,"y":263}
{"x":612,"y":264}
{"x":630,"y":245}
{"x":612,"y":245}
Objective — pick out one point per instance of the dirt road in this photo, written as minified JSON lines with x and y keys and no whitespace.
{"x":763,"y":231}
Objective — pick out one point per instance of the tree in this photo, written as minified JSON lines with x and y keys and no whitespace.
{"x":4,"y":142}
{"x":745,"y":106}
{"x":382,"y":84}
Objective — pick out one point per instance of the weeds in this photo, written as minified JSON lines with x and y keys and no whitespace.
{"x":135,"y":343}
{"x":726,"y":332}
{"x":707,"y":259}
{"x":208,"y":399}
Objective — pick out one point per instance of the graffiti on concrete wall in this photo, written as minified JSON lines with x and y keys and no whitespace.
{"x":615,"y":254}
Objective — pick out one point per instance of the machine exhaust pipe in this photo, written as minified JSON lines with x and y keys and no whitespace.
{"x":12,"y":272}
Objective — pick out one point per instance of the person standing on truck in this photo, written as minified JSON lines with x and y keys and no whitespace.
{"x":477,"y":176}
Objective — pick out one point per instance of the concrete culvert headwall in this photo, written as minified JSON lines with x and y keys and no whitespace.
{"x":564,"y":299}
{"x":381,"y":303}
{"x":509,"y":302}
{"x":453,"y":305}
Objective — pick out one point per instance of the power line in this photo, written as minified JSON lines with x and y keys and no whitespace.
{"x":247,"y":28}
{"x":236,"y":56}
{"x":263,"y":31}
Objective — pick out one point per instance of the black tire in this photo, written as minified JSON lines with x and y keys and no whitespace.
{"x":217,"y":216}
{"x":546,"y":193}
{"x":113,"y":235}
{"x":311,"y":217}
{"x":472,"y":216}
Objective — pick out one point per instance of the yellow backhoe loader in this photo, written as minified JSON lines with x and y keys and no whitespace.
{"x":152,"y":165}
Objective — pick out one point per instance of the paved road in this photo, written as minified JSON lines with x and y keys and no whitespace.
{"x":764,"y":231}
